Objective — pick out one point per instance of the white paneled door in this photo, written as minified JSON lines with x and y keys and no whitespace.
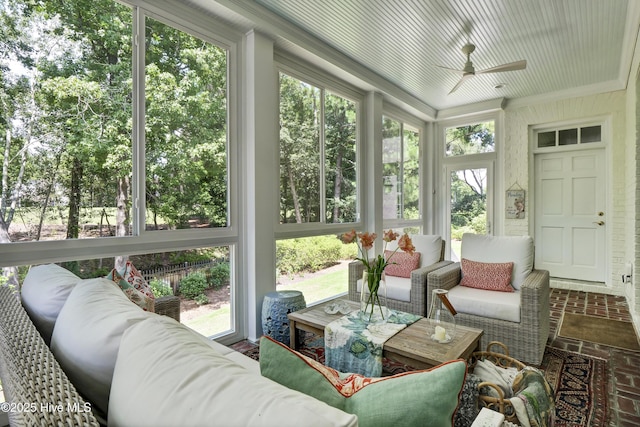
{"x":571,"y":221}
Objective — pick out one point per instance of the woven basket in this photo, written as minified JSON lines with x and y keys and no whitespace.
{"x":502,"y":360}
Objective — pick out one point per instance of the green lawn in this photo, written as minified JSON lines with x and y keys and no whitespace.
{"x":321,"y":287}
{"x":314,"y":289}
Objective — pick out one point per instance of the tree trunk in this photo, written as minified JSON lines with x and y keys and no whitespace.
{"x":337,"y":187}
{"x":11,"y":273}
{"x":122,"y":218}
{"x":294,"y":196}
{"x":73,"y":226}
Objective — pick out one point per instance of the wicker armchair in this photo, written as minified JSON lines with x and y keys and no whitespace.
{"x":32,"y":376}
{"x":168,"y":306}
{"x":431,"y":249}
{"x":525,"y":338}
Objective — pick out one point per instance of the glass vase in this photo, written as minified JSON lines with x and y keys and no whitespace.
{"x":442,"y":321}
{"x":373,"y":298}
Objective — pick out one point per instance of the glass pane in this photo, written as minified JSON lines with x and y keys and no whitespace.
{"x":470,"y":139}
{"x":468,"y":205}
{"x":316,"y":266}
{"x":568,"y":137}
{"x":391,"y":169}
{"x":590,"y":134}
{"x":411,"y":174}
{"x":299,"y":151}
{"x":186,"y":130}
{"x":200,"y":277}
{"x":66,"y":121}
{"x":547,"y":139}
{"x":340,"y":159}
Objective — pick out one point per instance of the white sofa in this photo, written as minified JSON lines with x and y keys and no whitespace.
{"x":131,"y":367}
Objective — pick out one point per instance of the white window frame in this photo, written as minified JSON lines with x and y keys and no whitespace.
{"x":394,"y":113}
{"x":299,"y":69}
{"x":488,"y":160}
{"x":142,"y":242}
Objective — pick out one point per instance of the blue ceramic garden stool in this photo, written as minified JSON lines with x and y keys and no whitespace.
{"x":275,"y":307}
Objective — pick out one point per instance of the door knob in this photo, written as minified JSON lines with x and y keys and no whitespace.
{"x":599,"y":223}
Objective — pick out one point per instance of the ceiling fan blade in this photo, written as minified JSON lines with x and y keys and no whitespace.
{"x":464,"y":77}
{"x":512,"y":66}
{"x":450,"y":69}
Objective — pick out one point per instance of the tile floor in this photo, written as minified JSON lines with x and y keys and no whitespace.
{"x":624,"y":365}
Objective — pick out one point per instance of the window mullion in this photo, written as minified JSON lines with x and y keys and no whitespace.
{"x":321,"y":135}
{"x":138,"y":138}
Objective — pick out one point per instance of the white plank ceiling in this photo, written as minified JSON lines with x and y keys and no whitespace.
{"x":572,"y":47}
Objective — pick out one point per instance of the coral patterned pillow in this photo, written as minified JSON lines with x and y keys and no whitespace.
{"x":490,"y":276}
{"x":134,"y":295}
{"x":401,"y":263}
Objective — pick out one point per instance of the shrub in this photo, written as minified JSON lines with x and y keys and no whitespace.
{"x":193,"y":285}
{"x":201,"y":299}
{"x":308,"y":254}
{"x":159,"y":288}
{"x":219,"y":275}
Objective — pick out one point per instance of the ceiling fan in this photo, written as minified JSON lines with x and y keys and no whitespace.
{"x":468,"y":70}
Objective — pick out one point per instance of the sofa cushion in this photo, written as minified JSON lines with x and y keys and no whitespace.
{"x":406,"y":399}
{"x":490,"y":276}
{"x":166,"y":375}
{"x":401,"y":264}
{"x":87,"y":336}
{"x":516,"y":249}
{"x":44,"y":291}
{"x":491,"y":304}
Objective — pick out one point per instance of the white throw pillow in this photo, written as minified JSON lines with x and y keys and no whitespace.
{"x":516,"y":249}
{"x":166,"y":375}
{"x":44,"y":291}
{"x":87,"y":336}
{"x":429,"y":246}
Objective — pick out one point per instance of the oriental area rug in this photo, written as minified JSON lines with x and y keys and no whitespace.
{"x":579,"y":382}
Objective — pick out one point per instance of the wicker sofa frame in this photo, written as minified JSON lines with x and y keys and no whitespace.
{"x":34,"y":384}
{"x":35,"y":387}
{"x":418,"y":295}
{"x":527,"y":339}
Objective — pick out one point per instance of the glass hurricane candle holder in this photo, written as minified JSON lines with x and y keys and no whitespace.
{"x":442,"y":321}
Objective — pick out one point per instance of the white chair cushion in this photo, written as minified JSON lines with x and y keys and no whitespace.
{"x":87,"y":336}
{"x":398,"y":288}
{"x":516,"y":249}
{"x":491,"y":304}
{"x":165,"y":375}
{"x":429,"y":246}
{"x":44,"y":291}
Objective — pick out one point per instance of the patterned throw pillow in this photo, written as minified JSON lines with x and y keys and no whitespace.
{"x":401,"y":263}
{"x":490,"y":276}
{"x":406,"y":399}
{"x":134,"y":286}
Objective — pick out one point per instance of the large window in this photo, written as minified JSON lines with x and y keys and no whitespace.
{"x":186,"y":131}
{"x":114,"y":124}
{"x":318,"y":135}
{"x":401,"y":171}
{"x":66,"y":120}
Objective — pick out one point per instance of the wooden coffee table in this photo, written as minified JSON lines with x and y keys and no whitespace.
{"x":410,"y":346}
